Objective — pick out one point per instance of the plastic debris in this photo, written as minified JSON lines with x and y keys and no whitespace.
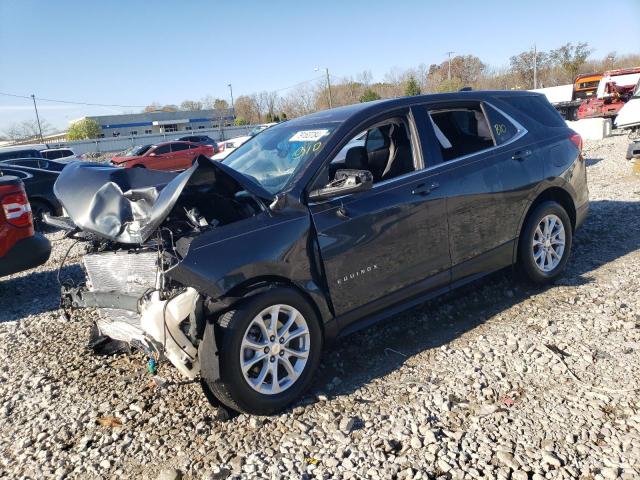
{"x":152,"y":366}
{"x":102,"y":345}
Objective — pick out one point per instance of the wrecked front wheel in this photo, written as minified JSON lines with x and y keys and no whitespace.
{"x":269,"y":348}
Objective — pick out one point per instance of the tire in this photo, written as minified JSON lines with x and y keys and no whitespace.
{"x":533,"y":262}
{"x":573,"y":114}
{"x":138,"y":165}
{"x":232,"y":386}
{"x":38,"y":209}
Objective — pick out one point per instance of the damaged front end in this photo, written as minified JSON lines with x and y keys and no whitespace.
{"x":137,"y":226}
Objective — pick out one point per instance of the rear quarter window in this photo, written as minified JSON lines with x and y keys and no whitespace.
{"x":501,"y":128}
{"x":536,"y":107}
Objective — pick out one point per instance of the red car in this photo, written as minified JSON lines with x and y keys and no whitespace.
{"x":20,"y":247}
{"x":164,"y":156}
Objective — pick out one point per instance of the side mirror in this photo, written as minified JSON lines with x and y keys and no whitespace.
{"x":345,"y":182}
{"x":153,"y":154}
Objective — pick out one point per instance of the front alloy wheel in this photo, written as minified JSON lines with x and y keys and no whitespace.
{"x":275,"y":349}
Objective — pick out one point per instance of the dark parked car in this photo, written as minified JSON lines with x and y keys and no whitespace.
{"x":201,"y":139}
{"x":38,"y":176}
{"x":20,"y":247}
{"x":42,"y":163}
{"x":20,"y":153}
{"x":270,"y":255}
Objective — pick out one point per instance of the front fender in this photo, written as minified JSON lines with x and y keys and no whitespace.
{"x":221,"y":261}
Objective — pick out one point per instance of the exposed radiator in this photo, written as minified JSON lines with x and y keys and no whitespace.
{"x":121,"y":271}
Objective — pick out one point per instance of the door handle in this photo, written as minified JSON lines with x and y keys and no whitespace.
{"x":342,"y":213}
{"x":521,"y":155}
{"x":424,"y":190}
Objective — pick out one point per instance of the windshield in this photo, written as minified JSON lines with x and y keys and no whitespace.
{"x":272,"y":157}
{"x":135,"y":151}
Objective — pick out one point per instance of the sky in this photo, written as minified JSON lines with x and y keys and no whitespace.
{"x":134,"y":52}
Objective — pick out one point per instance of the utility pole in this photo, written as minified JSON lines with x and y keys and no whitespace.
{"x":33,"y":97}
{"x":449,"y":65}
{"x":326,"y":70}
{"x":329,"y":87}
{"x":535,"y":66}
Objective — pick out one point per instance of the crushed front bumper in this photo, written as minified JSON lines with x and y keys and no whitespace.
{"x":126,"y":288}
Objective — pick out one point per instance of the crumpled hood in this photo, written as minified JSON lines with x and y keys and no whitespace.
{"x":128,"y":205}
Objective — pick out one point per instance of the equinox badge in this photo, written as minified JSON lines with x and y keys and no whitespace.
{"x":357,"y":273}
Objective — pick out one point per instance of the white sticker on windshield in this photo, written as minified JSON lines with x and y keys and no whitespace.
{"x":309,"y":135}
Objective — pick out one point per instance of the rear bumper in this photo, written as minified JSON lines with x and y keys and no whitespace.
{"x":581,"y":214}
{"x":25,"y":254}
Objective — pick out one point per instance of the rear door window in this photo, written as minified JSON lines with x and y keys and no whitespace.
{"x":27,"y":162}
{"x":53,"y":155}
{"x":178,"y":147}
{"x":461,"y":131}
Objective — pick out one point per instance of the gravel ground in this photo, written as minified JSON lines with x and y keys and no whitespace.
{"x":498,"y":380}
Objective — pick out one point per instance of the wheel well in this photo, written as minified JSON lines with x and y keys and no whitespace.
{"x":555,"y":194}
{"x":45,"y":202}
{"x":263,"y":283}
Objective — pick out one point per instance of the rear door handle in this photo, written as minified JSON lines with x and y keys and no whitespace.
{"x":521,"y":155}
{"x":424,"y":190}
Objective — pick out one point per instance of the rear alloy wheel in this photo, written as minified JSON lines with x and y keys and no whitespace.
{"x":38,"y":209}
{"x":545,"y":243}
{"x":548,"y":243}
{"x":268,"y":350}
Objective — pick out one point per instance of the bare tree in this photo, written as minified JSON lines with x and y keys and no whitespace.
{"x":153,"y":107}
{"x":522,"y":65}
{"x":191,"y":105}
{"x":27,"y":129}
{"x":220,"y":104}
{"x":156,"y":107}
{"x":214,"y":103}
{"x":365,"y":78}
{"x":298,"y":102}
{"x":467,"y":68}
{"x":247,"y":108}
{"x":267,"y":102}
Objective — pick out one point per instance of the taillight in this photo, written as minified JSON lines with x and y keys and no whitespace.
{"x":577,"y":140}
{"x":16,"y":208}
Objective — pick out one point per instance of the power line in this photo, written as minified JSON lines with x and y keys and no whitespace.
{"x":30,"y":97}
{"x":70,"y":101}
{"x":300,"y":83}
